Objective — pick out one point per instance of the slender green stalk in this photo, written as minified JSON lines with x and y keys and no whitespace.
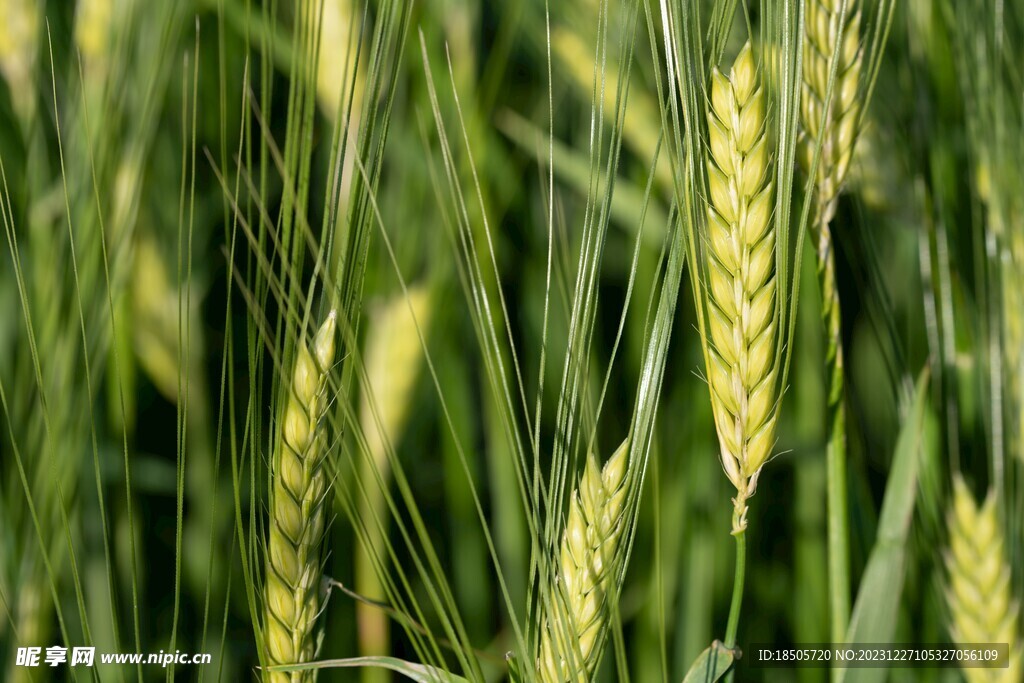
{"x":737,"y":590}
{"x":835,"y":444}
{"x":732,"y":626}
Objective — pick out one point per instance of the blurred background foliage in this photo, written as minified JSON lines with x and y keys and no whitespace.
{"x":124,"y":131}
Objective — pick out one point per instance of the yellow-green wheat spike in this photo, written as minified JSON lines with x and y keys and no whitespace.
{"x":741,"y":278}
{"x":978,"y":592}
{"x":837,"y":135}
{"x":843,"y":116}
{"x":297,"y":516}
{"x":571,"y":637}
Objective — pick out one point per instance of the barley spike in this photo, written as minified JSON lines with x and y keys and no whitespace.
{"x":843,"y":115}
{"x":741,"y":278}
{"x":297,"y":514}
{"x":572,"y":636}
{"x":978,"y":593}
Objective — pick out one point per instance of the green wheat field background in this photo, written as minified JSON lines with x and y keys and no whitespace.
{"x":510,"y":340}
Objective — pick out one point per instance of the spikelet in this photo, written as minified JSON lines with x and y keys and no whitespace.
{"x":741,"y":278}
{"x":19,"y":42}
{"x":840,"y":129}
{"x":291,"y":591}
{"x":978,"y":590}
{"x":572,"y":637}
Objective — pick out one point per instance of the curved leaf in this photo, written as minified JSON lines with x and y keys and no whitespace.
{"x":876,"y":610}
{"x":711,"y":664}
{"x":421,"y":673}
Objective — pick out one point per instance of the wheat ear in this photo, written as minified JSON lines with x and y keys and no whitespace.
{"x":572,"y":635}
{"x":843,"y":107}
{"x":837,"y":135}
{"x":297,"y":514}
{"x":741,"y":357}
{"x":981,"y":607}
{"x":837,"y":132}
{"x":842,"y":115}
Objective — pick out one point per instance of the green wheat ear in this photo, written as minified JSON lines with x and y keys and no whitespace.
{"x":572,"y":635}
{"x":840,"y":125}
{"x":297,"y":516}
{"x":741,"y":292}
{"x":978,"y":590}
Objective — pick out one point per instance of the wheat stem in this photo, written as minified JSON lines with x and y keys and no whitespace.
{"x":732,"y":626}
{"x":835,"y":448}
{"x":291,"y":593}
